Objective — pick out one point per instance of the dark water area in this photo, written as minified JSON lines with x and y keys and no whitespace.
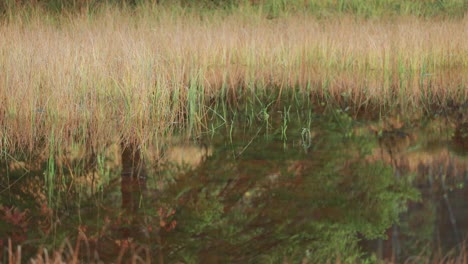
{"x":276,"y":186}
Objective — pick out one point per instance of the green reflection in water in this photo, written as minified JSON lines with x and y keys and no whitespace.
{"x":267,"y":202}
{"x":263,"y":194}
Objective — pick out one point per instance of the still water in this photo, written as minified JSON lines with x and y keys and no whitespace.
{"x":271,"y":187}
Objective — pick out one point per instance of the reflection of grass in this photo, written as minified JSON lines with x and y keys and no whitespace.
{"x":50,"y":174}
{"x":139,"y":73}
{"x":69,"y":252}
{"x":331,"y":186}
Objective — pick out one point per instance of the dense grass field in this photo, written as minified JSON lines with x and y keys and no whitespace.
{"x":96,"y":72}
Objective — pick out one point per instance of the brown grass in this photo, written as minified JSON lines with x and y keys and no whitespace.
{"x":137,"y":74}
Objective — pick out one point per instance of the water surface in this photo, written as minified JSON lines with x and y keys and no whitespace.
{"x":273,"y":186}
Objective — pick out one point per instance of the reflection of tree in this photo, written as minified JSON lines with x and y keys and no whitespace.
{"x":434,"y":169}
{"x":258,"y":198}
{"x":461,"y":130}
{"x":22,"y":196}
{"x":432,"y":226}
{"x":278,"y":202}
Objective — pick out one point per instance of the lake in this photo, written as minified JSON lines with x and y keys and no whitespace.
{"x":277,"y":184}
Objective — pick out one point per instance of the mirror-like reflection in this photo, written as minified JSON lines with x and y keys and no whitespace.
{"x":270,"y":187}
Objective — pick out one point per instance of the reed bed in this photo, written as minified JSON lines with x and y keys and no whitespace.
{"x":137,"y":74}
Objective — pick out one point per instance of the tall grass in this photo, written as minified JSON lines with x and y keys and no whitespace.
{"x":271,"y":8}
{"x":137,"y":73}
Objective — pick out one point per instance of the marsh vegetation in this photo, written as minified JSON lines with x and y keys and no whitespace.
{"x":232,"y":131}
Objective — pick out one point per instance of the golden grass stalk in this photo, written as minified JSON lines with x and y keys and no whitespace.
{"x":136,"y":74}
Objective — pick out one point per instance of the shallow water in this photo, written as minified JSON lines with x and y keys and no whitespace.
{"x":270,"y":187}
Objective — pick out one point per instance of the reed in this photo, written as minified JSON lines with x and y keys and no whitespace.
{"x":136,"y":74}
{"x":272,"y":8}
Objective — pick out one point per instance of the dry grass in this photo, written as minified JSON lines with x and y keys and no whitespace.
{"x":138,"y":74}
